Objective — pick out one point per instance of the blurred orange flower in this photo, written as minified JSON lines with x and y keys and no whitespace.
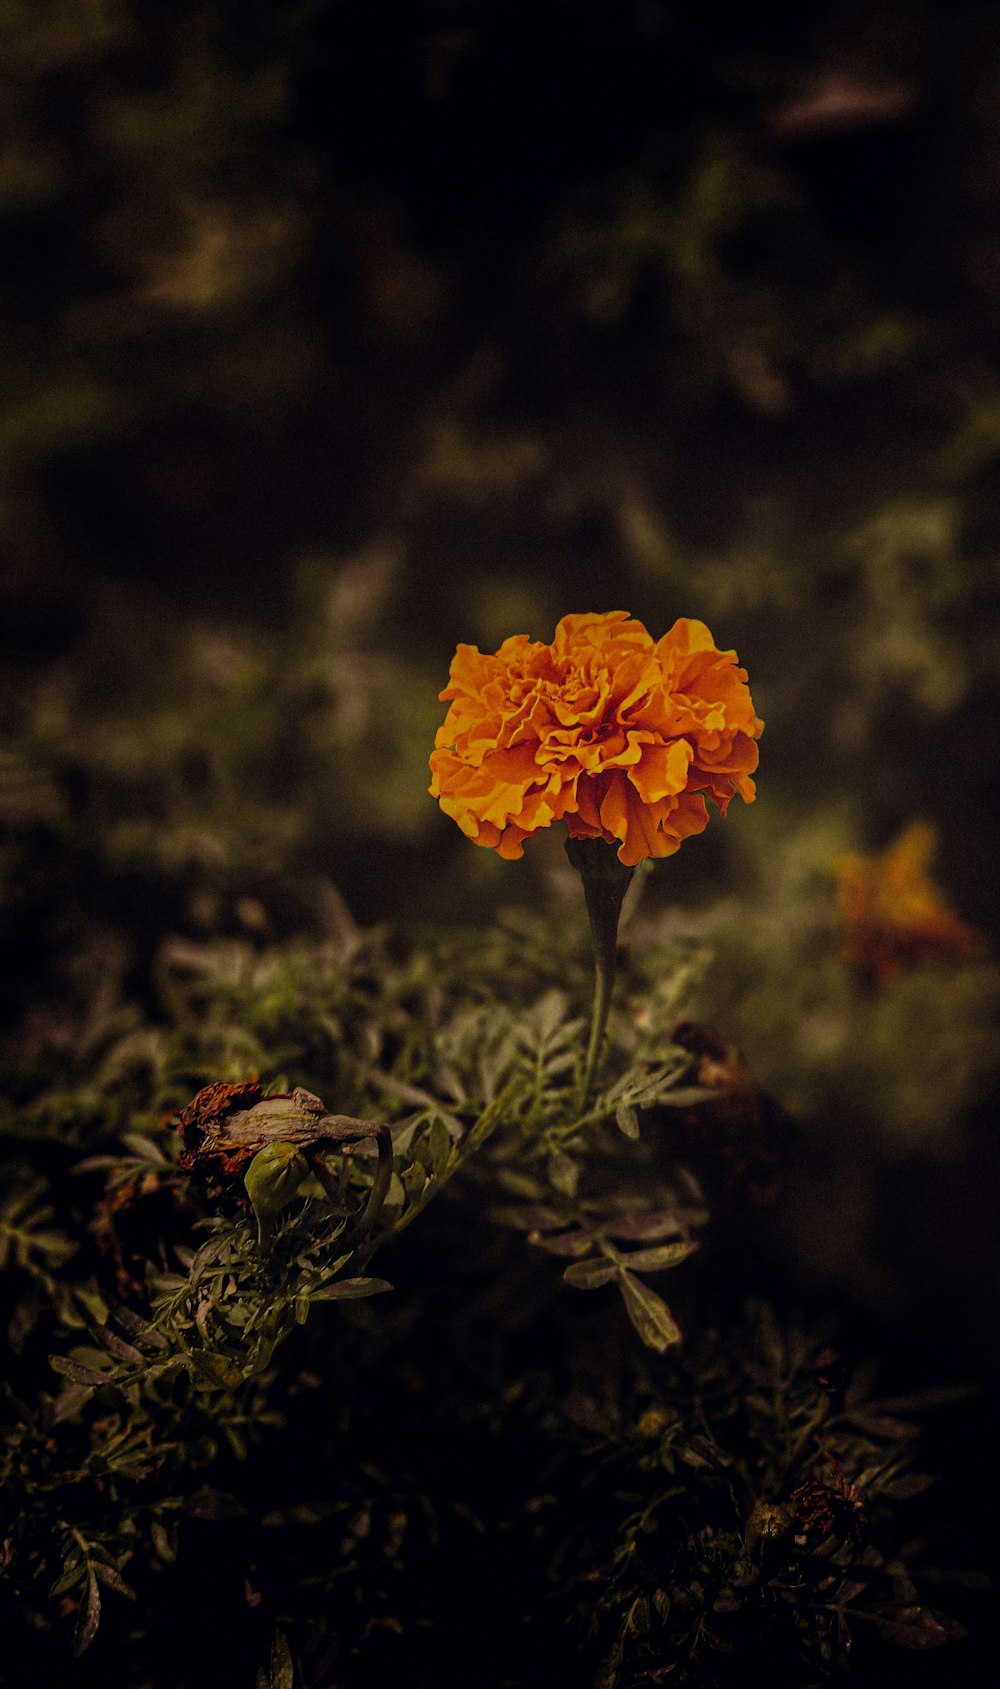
{"x":892,"y":911}
{"x":615,"y":733}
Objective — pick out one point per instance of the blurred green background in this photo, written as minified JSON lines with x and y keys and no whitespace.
{"x":337,"y":331}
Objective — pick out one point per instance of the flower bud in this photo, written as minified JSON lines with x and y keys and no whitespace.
{"x":272,"y":1180}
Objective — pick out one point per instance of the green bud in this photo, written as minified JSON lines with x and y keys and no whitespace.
{"x":272,"y":1180}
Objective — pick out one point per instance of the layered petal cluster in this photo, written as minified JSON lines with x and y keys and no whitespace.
{"x":893,"y":913}
{"x":617,"y":734}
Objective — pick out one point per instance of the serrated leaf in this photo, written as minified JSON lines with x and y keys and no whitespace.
{"x":700,"y":1452}
{"x":880,"y":1425}
{"x":413,"y":1180}
{"x":957,"y":1576}
{"x":907,"y":1484}
{"x":145,"y":1149}
{"x":547,"y":1013}
{"x":132,"y":1322}
{"x":72,"y":1573}
{"x":530,"y":1218}
{"x":589,"y":1275}
{"x":77,"y":1373}
{"x":640,"y":1228}
{"x":115,"y":1345}
{"x":69,"y":1402}
{"x":404,"y":1131}
{"x":88,"y":1616}
{"x":687,"y":1096}
{"x":918,"y":1401}
{"x":628,"y":1120}
{"x":449,"y":1080}
{"x":562,"y":1243}
{"x":216,"y":1368}
{"x":282,"y":1670}
{"x":662,"y":1255}
{"x":912,"y":1627}
{"x":400,"y":1088}
{"x":649,"y":1313}
{"x":23,"y":1320}
{"x":492,"y":1115}
{"x":564,"y":1173}
{"x":16,"y":1206}
{"x":352,"y":1289}
{"x":55,"y":1246}
{"x":207,"y":1503}
{"x":114,"y":1580}
{"x":164,"y":1542}
{"x":637,"y":1620}
{"x":520,"y":1184}
{"x":440,"y":1144}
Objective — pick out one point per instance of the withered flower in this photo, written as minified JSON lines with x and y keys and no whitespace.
{"x":209,"y":1152}
{"x":833,"y":1508}
{"x":892,"y":912}
{"x":243,"y":1147}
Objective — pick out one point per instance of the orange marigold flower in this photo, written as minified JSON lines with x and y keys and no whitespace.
{"x":613,"y":732}
{"x":892,"y":912}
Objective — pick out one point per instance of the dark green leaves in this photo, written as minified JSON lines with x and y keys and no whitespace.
{"x":28,"y":1239}
{"x":649,"y":1313}
{"x":88,"y":1614}
{"x":187,"y":1403}
{"x":590,"y":1275}
{"x":280,"y":1674}
{"x":661,"y":1256}
{"x":352,"y":1289}
{"x":77,"y":1373}
{"x":912,"y":1627}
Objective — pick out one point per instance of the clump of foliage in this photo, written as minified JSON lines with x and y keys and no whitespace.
{"x":734,"y":1532}
{"x":245,"y":323}
{"x":462,"y":1421}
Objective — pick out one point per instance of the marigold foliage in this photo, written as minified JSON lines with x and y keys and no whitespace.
{"x":509,"y":1410}
{"x":620,"y":735}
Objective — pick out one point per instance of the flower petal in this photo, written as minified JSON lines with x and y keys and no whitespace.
{"x":606,"y":729}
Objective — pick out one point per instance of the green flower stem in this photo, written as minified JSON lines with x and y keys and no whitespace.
{"x":603,"y":977}
{"x":482,"y":1129}
{"x":605,"y":882}
{"x":378,"y":1191}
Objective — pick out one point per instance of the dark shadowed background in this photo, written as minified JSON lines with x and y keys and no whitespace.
{"x":336,"y":333}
